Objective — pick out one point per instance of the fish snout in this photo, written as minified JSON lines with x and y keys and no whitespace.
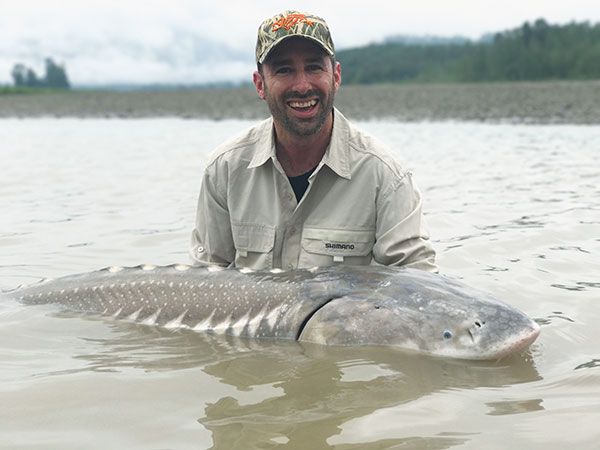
{"x":510,"y":337}
{"x":530,"y":335}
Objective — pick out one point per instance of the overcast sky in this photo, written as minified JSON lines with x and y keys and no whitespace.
{"x":162,"y":41}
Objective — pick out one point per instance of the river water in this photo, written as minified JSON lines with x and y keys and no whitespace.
{"x":512,"y":209}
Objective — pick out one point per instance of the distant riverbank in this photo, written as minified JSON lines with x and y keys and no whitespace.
{"x":575,"y":102}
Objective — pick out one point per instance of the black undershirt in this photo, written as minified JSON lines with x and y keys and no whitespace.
{"x":300,"y":183}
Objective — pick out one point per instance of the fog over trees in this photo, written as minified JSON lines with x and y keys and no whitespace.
{"x":534,"y":51}
{"x":55,"y":76}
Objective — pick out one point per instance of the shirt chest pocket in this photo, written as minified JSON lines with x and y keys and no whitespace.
{"x":325,"y":247}
{"x":253,"y":245}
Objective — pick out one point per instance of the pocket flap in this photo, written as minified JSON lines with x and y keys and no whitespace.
{"x":253,"y":237}
{"x":338,"y":242}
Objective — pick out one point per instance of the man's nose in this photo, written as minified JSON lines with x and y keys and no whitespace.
{"x":302,"y":82}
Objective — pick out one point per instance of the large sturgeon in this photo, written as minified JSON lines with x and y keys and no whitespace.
{"x":340,"y":305}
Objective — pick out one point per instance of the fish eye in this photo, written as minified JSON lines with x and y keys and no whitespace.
{"x":447,"y":334}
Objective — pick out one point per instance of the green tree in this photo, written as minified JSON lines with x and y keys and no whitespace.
{"x":56,"y":75}
{"x":32,"y":80}
{"x":534,"y":51}
{"x":19,"y":75}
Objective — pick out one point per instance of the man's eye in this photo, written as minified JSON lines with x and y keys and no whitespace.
{"x":315,"y":68}
{"x":283,"y":70}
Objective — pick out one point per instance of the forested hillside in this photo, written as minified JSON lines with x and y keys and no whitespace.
{"x":537,"y":51}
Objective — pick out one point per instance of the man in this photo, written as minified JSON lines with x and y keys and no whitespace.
{"x":305,"y":188}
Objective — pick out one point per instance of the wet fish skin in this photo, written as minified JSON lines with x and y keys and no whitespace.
{"x":340,"y":305}
{"x":427,"y":313}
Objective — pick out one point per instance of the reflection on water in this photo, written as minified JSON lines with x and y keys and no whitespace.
{"x":300,"y":395}
{"x":316,"y":399}
{"x":515,"y":407}
{"x":511,"y":209}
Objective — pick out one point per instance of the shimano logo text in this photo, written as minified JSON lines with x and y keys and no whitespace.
{"x":332,"y":246}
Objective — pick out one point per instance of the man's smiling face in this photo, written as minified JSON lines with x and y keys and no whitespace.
{"x":299,"y":81}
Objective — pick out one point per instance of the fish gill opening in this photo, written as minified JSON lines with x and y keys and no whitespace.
{"x":312,"y":313}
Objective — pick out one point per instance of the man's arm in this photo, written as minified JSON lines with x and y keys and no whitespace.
{"x":212,"y":241}
{"x":401,"y":237}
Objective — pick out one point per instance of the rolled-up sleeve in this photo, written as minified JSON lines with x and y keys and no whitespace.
{"x":212,"y":241}
{"x":401,"y":237}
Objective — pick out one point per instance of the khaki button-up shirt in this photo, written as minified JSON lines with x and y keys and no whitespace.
{"x":360,"y":207}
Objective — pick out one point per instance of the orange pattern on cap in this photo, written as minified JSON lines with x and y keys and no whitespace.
{"x":290,"y":20}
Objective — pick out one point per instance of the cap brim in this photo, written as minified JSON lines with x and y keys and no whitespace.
{"x":275,"y":43}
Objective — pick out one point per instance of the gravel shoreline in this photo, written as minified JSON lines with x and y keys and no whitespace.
{"x":563,"y":102}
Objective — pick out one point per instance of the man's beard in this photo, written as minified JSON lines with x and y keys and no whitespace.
{"x":300,"y":127}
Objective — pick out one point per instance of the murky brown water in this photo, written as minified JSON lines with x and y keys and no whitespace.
{"x":513,"y":209}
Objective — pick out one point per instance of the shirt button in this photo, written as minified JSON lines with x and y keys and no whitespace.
{"x":290,"y":266}
{"x":200,"y":250}
{"x":290,"y":197}
{"x":293,"y":230}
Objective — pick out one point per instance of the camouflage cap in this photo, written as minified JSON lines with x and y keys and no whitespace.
{"x":289,"y":24}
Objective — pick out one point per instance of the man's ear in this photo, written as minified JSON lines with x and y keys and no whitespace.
{"x":259,"y":84}
{"x":337,"y":75}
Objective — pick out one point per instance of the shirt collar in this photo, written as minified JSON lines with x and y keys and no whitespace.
{"x":336,"y":155}
{"x":265,"y":145}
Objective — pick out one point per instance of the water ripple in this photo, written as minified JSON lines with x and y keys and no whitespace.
{"x":578,"y":286}
{"x":589,"y":365}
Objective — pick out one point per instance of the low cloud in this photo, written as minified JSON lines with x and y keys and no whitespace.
{"x":180,"y":57}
